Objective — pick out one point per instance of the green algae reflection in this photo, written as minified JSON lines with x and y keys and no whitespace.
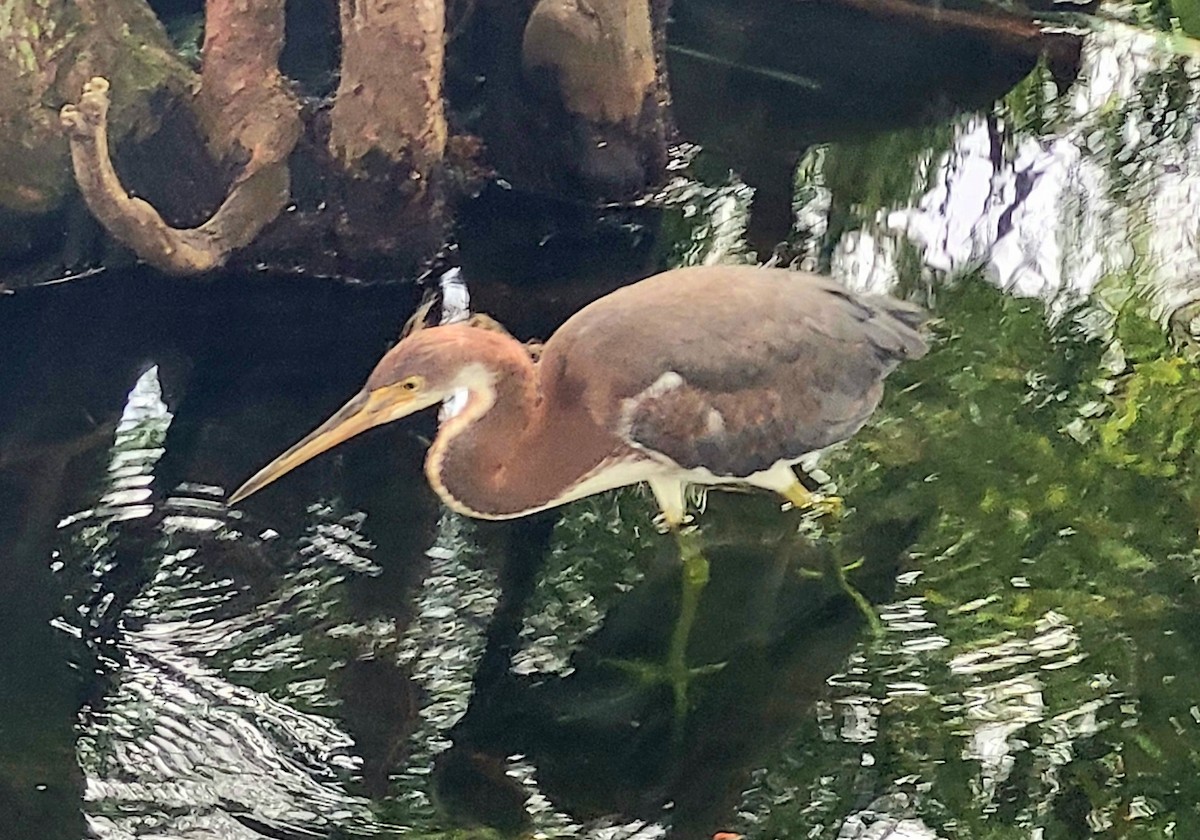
{"x":1037,"y":670}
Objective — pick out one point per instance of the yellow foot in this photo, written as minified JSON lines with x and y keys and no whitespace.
{"x":673,"y":523}
{"x":802,"y":498}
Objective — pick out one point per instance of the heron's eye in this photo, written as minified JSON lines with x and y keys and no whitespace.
{"x":412,"y":383}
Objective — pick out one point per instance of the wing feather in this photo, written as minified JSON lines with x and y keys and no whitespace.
{"x":766,"y":366}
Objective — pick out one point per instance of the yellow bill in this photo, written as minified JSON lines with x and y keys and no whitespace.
{"x":364,"y":411}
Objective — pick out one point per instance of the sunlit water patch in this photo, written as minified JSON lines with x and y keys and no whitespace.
{"x":226,"y":656}
{"x":1054,"y":196}
{"x":706,"y":221}
{"x":207,"y":727}
{"x":588,"y":570}
{"x":996,"y":709}
{"x":442,"y":648}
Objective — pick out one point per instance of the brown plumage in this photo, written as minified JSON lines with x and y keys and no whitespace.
{"x":699,"y":375}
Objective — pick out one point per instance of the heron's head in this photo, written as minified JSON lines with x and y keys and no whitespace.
{"x":425,"y":368}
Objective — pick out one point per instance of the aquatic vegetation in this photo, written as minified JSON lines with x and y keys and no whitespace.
{"x":1050,"y":528}
{"x":1154,"y":425}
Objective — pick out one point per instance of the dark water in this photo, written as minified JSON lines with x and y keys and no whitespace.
{"x":340,"y":657}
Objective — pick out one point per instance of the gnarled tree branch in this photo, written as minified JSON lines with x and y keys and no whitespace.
{"x":48,"y":50}
{"x":249,"y":116}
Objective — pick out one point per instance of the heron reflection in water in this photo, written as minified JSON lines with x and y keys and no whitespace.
{"x":706,"y":375}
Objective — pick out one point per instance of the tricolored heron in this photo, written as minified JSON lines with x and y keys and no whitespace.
{"x":705,"y":375}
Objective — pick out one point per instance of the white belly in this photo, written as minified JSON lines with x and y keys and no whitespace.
{"x":669,"y":482}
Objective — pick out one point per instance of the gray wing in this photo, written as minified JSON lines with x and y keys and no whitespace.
{"x":764,"y":366}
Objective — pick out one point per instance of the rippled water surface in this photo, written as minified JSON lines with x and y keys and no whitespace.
{"x":997,"y":641}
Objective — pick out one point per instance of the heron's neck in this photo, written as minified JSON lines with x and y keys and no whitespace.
{"x":472,"y":458}
{"x":509,"y":450}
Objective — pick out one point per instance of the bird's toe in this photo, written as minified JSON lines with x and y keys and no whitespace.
{"x":815,"y":504}
{"x":831,"y":506}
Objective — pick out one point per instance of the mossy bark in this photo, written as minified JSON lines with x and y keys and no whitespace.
{"x":48,"y":50}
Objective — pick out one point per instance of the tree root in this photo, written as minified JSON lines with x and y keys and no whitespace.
{"x":251,"y":119}
{"x":389,"y":100}
{"x":253,"y":202}
{"x":600,"y":53}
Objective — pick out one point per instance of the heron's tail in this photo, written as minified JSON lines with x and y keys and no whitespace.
{"x":897,"y":328}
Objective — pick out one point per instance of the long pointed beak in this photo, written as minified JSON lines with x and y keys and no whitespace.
{"x":365,"y":410}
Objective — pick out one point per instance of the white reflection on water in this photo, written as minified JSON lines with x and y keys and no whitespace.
{"x":446,"y":640}
{"x":877,"y":822}
{"x":1096,"y":200}
{"x":715,"y":218}
{"x":1001,"y":697}
{"x":174,"y":734}
{"x":579,"y":582}
{"x":175,"y":748}
{"x":1109,"y":190}
{"x":137,"y":447}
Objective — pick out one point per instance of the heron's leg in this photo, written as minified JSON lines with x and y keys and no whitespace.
{"x":671,"y":496}
{"x":694,"y":571}
{"x":783,"y":481}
